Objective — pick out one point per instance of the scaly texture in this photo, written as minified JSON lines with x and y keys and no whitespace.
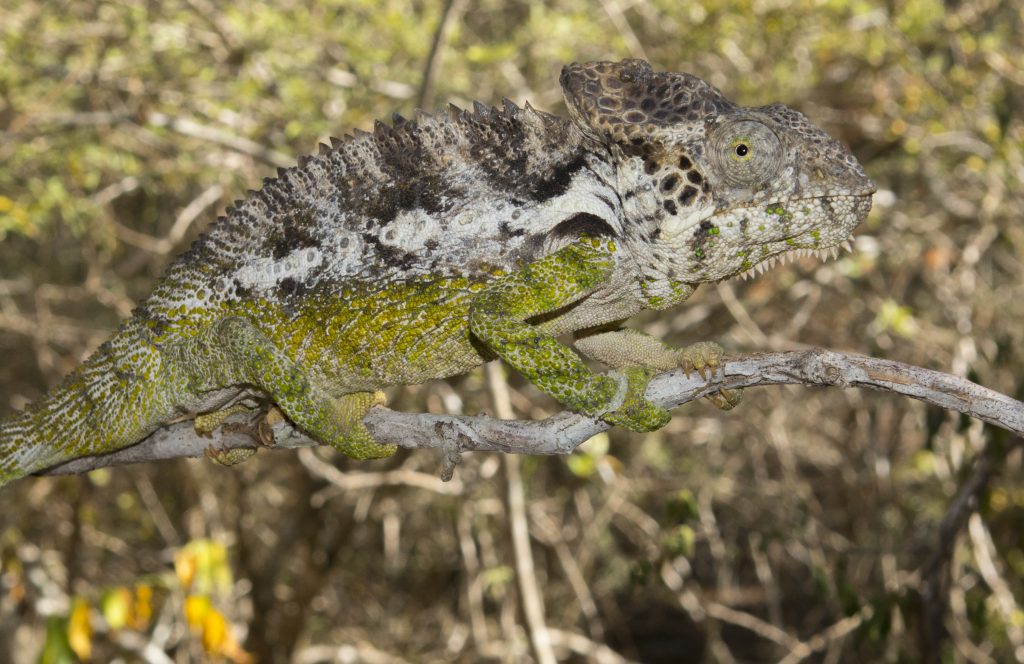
{"x":427,"y":247}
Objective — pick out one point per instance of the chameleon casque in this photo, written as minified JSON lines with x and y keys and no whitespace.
{"x":428,"y":247}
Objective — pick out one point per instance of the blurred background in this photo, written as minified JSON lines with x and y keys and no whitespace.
{"x":813,"y":525}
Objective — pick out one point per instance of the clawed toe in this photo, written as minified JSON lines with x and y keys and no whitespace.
{"x":705,"y":358}
{"x":725,"y":399}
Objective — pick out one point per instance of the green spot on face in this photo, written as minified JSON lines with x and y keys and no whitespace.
{"x":714,"y":231}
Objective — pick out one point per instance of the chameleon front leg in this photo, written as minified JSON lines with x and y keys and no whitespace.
{"x":628,"y":348}
{"x":498,"y":316}
{"x":247,"y":355}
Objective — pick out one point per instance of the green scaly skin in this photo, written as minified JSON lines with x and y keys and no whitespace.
{"x":431,"y":246}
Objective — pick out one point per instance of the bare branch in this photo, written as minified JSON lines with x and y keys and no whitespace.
{"x":189,"y":127}
{"x":449,"y":14}
{"x":562,"y":433}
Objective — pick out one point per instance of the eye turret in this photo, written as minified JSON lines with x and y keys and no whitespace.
{"x":745,"y":153}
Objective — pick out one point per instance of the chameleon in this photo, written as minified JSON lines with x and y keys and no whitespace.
{"x":431,"y":245}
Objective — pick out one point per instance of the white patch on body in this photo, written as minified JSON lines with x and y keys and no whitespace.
{"x":410,"y":231}
{"x":265,"y":273}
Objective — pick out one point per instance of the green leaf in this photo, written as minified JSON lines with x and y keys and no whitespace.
{"x":56,"y":649}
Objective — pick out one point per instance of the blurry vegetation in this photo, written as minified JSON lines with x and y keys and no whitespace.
{"x":806,"y":524}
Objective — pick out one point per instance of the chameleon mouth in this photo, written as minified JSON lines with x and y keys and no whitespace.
{"x":816,"y":227}
{"x":788,"y":256}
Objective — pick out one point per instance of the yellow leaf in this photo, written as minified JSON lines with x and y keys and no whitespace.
{"x":143,"y":606}
{"x":215,"y":632}
{"x":185,"y":567}
{"x":202,"y":566}
{"x":234,"y":652}
{"x":218,"y":639}
{"x":196,"y":609}
{"x":680,"y":541}
{"x":80,"y":630}
{"x":116,"y":607}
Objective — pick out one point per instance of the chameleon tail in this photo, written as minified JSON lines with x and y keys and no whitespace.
{"x":111,"y":401}
{"x":16,"y":449}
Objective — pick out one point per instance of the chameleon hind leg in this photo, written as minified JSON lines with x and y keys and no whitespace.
{"x":249,"y":356}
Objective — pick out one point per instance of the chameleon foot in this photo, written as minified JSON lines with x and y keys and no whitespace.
{"x":706,"y":358}
{"x":231,"y":457}
{"x":206,"y":423}
{"x":637,"y":413}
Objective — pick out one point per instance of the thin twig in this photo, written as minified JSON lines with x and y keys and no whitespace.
{"x":449,"y":14}
{"x":189,"y":127}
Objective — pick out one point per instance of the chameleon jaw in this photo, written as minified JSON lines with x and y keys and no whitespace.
{"x":822,"y":254}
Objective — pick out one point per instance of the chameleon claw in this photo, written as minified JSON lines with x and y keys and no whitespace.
{"x":725,"y":399}
{"x":704,"y":358}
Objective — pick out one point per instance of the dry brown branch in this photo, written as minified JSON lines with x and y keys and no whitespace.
{"x":519,"y":532}
{"x":189,"y":127}
{"x":562,"y":433}
{"x":449,"y":15}
{"x":935,"y":577}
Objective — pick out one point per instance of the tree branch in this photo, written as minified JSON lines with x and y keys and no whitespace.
{"x":562,"y":433}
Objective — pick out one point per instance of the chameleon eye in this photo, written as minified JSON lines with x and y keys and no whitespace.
{"x":745,"y":153}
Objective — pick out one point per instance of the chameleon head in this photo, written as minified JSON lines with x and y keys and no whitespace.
{"x":715,"y":189}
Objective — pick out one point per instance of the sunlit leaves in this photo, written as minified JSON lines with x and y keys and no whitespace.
{"x":204,"y":573}
{"x":202,"y":567}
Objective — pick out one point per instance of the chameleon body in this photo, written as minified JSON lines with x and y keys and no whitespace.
{"x":429,"y":246}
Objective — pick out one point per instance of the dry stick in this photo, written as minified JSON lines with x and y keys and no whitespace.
{"x":189,"y":127}
{"x":519,"y":527}
{"x":449,"y":14}
{"x":934,"y":585}
{"x":562,"y":433}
